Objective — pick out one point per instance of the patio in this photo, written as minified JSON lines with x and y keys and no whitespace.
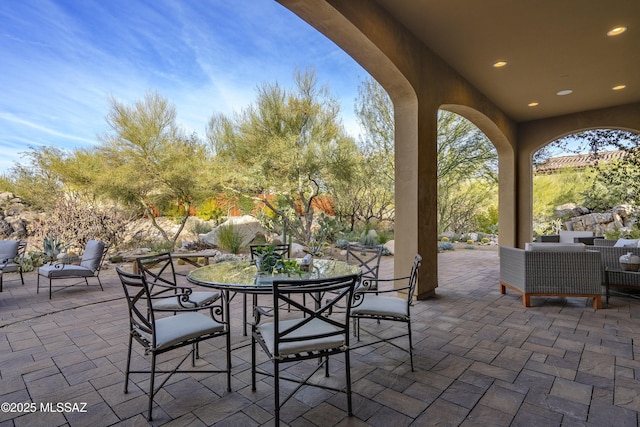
{"x":481,"y":359}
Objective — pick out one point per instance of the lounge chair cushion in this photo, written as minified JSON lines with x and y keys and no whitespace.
{"x":92,"y":255}
{"x":64,"y":270}
{"x":8,"y":250}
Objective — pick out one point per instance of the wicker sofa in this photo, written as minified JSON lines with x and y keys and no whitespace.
{"x":610,"y":260}
{"x":564,"y":270}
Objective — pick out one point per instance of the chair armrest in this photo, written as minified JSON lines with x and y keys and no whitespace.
{"x":181,"y":293}
{"x":366,"y":283}
{"x":259,"y":311}
{"x":512,"y":266}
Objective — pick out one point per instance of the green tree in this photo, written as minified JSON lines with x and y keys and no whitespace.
{"x":39,"y":182}
{"x":370,"y":196}
{"x":466,"y":158}
{"x":288,"y":144}
{"x":610,"y":183}
{"x":150,"y":164}
{"x":467,"y":161}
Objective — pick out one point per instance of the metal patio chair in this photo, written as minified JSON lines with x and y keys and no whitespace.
{"x":378,"y":305}
{"x":158,"y":335}
{"x":304,"y":333}
{"x":11,"y":257}
{"x":160,"y":274}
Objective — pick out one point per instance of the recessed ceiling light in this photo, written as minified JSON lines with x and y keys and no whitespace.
{"x":533,"y":104}
{"x":616,"y":31}
{"x":564,"y":92}
{"x":619,"y":87}
{"x":500,"y":64}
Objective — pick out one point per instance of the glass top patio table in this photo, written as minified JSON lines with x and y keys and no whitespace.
{"x":243,"y":277}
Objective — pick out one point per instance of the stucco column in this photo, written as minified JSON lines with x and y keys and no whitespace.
{"x":416,"y":194}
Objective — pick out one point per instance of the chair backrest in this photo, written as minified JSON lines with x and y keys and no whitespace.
{"x":141,"y":316}
{"x":365,"y":257}
{"x":8,"y":251}
{"x":157,"y":268}
{"x":22,"y":251}
{"x":413,"y":277}
{"x":318,"y":309}
{"x":283,"y":249}
{"x":93,"y":256}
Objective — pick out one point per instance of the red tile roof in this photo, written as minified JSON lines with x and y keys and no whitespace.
{"x":579,"y":161}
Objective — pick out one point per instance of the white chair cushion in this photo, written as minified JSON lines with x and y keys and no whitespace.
{"x":375,"y":305}
{"x":181,"y":327}
{"x":64,"y":270}
{"x":196,"y":299}
{"x":314,"y":327}
{"x":10,"y":267}
{"x":8,"y":250}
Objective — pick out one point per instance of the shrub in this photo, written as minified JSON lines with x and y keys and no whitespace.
{"x":75,"y":223}
{"x":445,"y":246}
{"x":367,"y":239}
{"x":209,"y":210}
{"x":199,"y":227}
{"x":342,"y":244}
{"x":163,"y":246}
{"x":485,"y":240}
{"x":470,"y":242}
{"x":445,"y":239}
{"x":229,"y":238}
{"x":384,"y":236}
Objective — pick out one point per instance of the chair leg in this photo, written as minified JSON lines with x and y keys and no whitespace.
{"x":253,"y":363}
{"x":1,"y":281}
{"x":21,"y":279}
{"x":151,"y":384}
{"x":244,"y":314}
{"x":38,"y":284}
{"x":126,"y":374}
{"x":50,"y":288}
{"x":276,"y":391}
{"x":100,"y":283}
{"x":228,"y":342}
{"x":347,"y":367}
{"x":410,"y":345}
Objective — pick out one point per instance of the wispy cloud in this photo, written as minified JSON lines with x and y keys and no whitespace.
{"x":62,"y":61}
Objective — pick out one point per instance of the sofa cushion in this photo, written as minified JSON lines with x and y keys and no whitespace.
{"x":626,"y":243}
{"x":555,"y":247}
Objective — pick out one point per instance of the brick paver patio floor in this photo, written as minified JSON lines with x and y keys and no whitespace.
{"x":481,"y":359}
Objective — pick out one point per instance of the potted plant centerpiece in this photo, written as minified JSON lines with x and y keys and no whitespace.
{"x":269,"y":261}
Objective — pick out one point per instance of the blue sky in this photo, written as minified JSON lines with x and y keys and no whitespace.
{"x":62,"y":60}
